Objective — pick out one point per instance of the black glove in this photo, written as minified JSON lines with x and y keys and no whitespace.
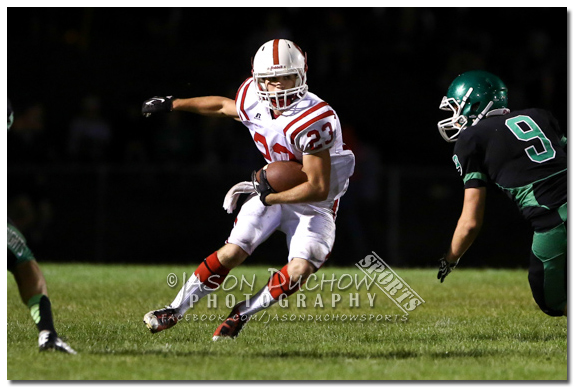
{"x":445,"y":268}
{"x":262,"y":187}
{"x":157,"y":104}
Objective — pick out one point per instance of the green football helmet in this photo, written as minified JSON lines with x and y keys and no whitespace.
{"x":471,"y":96}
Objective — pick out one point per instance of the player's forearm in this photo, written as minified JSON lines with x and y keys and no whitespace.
{"x":206,"y":106}
{"x":469,"y":223}
{"x":304,"y":193}
{"x":463,"y":237}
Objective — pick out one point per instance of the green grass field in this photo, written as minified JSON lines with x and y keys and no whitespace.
{"x":478,"y":325}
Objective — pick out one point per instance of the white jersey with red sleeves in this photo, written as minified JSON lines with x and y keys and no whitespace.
{"x":309,"y":126}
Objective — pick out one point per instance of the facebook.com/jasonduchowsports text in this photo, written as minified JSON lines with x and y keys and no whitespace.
{"x":266,"y":317}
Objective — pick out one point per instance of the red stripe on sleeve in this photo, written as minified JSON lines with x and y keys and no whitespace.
{"x":310,"y":111}
{"x":241,"y":86}
{"x":335,"y":207}
{"x":314,"y":120}
{"x":245,"y":87}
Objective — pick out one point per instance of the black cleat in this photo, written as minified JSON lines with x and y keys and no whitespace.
{"x":48,"y":340}
{"x":162,"y":319}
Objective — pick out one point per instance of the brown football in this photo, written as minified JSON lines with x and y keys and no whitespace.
{"x":283,"y":175}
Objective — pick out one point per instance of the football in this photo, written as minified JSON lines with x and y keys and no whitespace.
{"x":283,"y":175}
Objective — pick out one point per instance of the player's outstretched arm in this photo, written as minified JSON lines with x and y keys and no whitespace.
{"x":206,"y":106}
{"x":467,"y":229}
{"x":469,"y":223}
{"x":318,"y":169}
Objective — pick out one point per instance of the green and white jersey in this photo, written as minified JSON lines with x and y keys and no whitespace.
{"x":524,"y":154}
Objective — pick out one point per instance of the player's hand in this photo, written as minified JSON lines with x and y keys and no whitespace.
{"x":445,"y":268}
{"x":262,"y":187}
{"x":157,"y":104}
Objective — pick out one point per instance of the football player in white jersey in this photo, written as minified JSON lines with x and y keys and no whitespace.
{"x":286,"y":122}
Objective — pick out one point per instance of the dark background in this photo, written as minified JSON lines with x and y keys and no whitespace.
{"x":89,"y":179}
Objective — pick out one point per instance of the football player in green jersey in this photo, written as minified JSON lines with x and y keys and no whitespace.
{"x":31,"y":283}
{"x":524,"y":153}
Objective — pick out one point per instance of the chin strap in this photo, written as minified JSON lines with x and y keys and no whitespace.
{"x":480,"y":116}
{"x":498,"y":112}
{"x":494,"y":112}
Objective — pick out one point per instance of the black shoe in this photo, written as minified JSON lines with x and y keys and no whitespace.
{"x":162,"y":319}
{"x":48,"y":340}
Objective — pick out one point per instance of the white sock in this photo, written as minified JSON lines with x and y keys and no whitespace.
{"x":262,"y":300}
{"x":190,"y":293}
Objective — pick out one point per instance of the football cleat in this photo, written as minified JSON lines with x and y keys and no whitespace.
{"x":162,"y":319}
{"x":231,"y":327}
{"x":48,"y":340}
